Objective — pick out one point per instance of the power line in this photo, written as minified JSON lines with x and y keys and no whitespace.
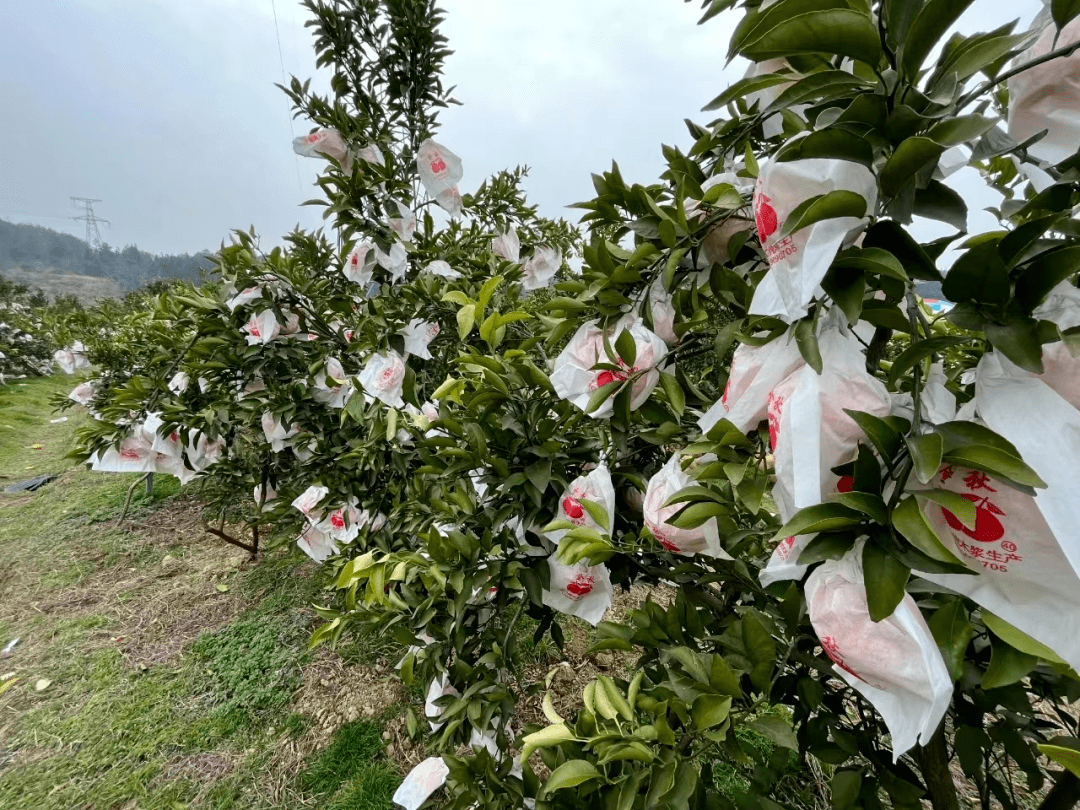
{"x":281,"y":61}
{"x":93,"y":235}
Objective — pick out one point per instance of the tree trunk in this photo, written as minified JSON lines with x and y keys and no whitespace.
{"x":1064,"y":794}
{"x":149,"y":484}
{"x":934,"y":763}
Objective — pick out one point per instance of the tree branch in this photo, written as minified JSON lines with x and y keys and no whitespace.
{"x":1068,"y":50}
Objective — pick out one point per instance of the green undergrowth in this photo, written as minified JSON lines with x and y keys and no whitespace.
{"x":201,"y":727}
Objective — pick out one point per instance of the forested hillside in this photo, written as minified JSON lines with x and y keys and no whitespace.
{"x":42,"y":250}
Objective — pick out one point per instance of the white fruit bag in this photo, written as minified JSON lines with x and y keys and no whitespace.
{"x":773,"y":127}
{"x":540,"y":269}
{"x":1024,"y":576}
{"x":325,"y":142}
{"x":755,"y":372}
{"x":316,"y":544}
{"x":507,"y":245}
{"x":580,"y":590}
{"x":808,"y":429}
{"x":662,"y":308}
{"x":1047,"y":96}
{"x":384,"y":377}
{"x":440,"y":687}
{"x":799,"y":262}
{"x":83,"y":393}
{"x":261,"y":328}
{"x":895,"y":663}
{"x":418,"y":334}
{"x":450,"y":201}
{"x":784,"y":564}
{"x":575,"y":379}
{"x":595,"y":487}
{"x":704,"y":539}
{"x":360,"y":264}
{"x":439,"y":168}
{"x":418,"y":785}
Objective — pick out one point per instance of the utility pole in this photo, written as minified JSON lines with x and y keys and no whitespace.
{"x":93,"y":235}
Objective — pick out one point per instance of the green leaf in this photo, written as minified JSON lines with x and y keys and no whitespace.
{"x":744,"y":87}
{"x":882,"y":435}
{"x":846,"y":786}
{"x":1044,"y":273}
{"x":1063,"y":11}
{"x":979,"y":275}
{"x":885,"y":580}
{"x":823,"y":517}
{"x":938,"y":201}
{"x":959,"y":130}
{"x":597,"y":512}
{"x":917,"y":352}
{"x":1019,"y":340}
{"x":835,"y":143}
{"x":909,"y":520}
{"x":466,"y":317}
{"x":539,"y":474}
{"x":1007,"y":665}
{"x":1018,"y":639}
{"x":626,"y":348}
{"x":956,"y":504}
{"x":820,"y":86}
{"x":870,"y":505}
{"x":776,"y":729}
{"x":824,"y":206}
{"x":848,"y":289}
{"x":569,"y":774}
{"x":827,"y":546}
{"x":872,"y":260}
{"x":911,"y":157}
{"x":601,"y":395}
{"x":926,"y":453}
{"x":997,"y":463}
{"x":486,"y":292}
{"x":807,"y":341}
{"x":953,"y":632}
{"x":667,"y":233}
{"x":1068,"y":758}
{"x":785,"y":32}
{"x":709,"y":711}
{"x":545,"y":738}
{"x":929,"y":26}
{"x":675,"y":394}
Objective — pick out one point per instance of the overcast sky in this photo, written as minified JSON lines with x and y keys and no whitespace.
{"x":167,"y":111}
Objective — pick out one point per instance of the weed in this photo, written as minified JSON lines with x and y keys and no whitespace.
{"x":369,"y":790}
{"x":353,"y":748}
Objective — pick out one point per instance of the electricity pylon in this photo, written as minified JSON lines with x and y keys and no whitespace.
{"x":93,"y":235}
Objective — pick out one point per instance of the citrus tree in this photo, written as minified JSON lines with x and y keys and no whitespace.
{"x":855,"y":514}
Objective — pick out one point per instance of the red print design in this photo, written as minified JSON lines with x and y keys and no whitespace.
{"x":776,"y":409}
{"x":783,"y":551}
{"x":765,"y":215}
{"x":828,"y":643}
{"x":988,"y":529}
{"x":337,"y":520}
{"x":845,"y":484}
{"x":582,"y":585}
{"x":667,"y":544}
{"x":438,"y":165}
{"x":313,"y":138}
{"x":574,"y":511}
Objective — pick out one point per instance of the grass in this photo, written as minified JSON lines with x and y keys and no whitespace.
{"x":170,"y":667}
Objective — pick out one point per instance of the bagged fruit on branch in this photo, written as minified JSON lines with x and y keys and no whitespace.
{"x":668,"y":481}
{"x":798,"y":262}
{"x":1047,"y":96}
{"x":507,"y":245}
{"x":540,"y":268}
{"x":895,"y":663}
{"x":809,"y":431}
{"x":360,"y":264}
{"x":755,"y":371}
{"x":326,"y":143}
{"x":596,"y":487}
{"x":418,"y":785}
{"x":580,"y":590}
{"x":439,"y":168}
{"x":384,"y":377}
{"x":575,"y":378}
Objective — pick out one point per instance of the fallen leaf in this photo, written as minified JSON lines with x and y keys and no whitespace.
{"x":222,"y":587}
{"x":42,"y":684}
{"x":36,"y":446}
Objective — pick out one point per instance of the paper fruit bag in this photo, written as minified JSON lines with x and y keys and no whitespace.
{"x":755,"y":372}
{"x":799,"y":262}
{"x":420,"y":783}
{"x":580,"y":590}
{"x":704,"y":539}
{"x":440,"y":169}
{"x":895,"y":663}
{"x":596,"y":487}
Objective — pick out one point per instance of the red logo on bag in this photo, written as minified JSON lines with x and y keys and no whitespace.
{"x":581,"y":586}
{"x":765,"y":216}
{"x":783,"y":551}
{"x":573,"y":509}
{"x":828,"y":643}
{"x":845,"y":484}
{"x":988,"y":529}
{"x":667,"y":544}
{"x":438,"y":165}
{"x":337,"y":520}
{"x":776,"y":408}
{"x":312,"y":138}
{"x":130,"y":455}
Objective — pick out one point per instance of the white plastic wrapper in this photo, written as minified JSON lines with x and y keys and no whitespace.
{"x":271,"y":496}
{"x":450,"y":201}
{"x":83,"y":393}
{"x":663,"y":313}
{"x":396,"y":261}
{"x":383,"y":377}
{"x":1024,"y":574}
{"x":575,"y":379}
{"x":262,"y":328}
{"x":704,"y":539}
{"x":951,"y":161}
{"x":937,"y":403}
{"x":808,"y":429}
{"x":418,"y":334}
{"x":439,"y":168}
{"x":507,"y":246}
{"x":343,"y":524}
{"x":895,"y":663}
{"x":440,"y":687}
{"x":540,"y":269}
{"x":360,"y":264}
{"x":244,"y":297}
{"x":755,"y":372}
{"x":715,"y":245}
{"x":404,"y":224}
{"x":799,"y":262}
{"x":308,"y":501}
{"x":1047,"y":96}
{"x":372,"y":154}
{"x":331,"y":386}
{"x":443,"y":269}
{"x":783,"y":564}
{"x":72,"y":359}
{"x":580,"y":590}
{"x":418,"y":785}
{"x":316,"y":545}
{"x":325,"y":143}
{"x":773,"y":127}
{"x":275,"y":432}
{"x":595,"y":487}
{"x":179,"y":383}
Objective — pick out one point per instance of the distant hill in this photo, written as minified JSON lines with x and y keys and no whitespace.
{"x":61,"y":263}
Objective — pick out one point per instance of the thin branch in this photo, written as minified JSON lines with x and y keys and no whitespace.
{"x":253,"y":550}
{"x":1068,"y":50}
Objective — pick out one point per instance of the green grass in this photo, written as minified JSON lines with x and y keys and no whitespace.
{"x":203,"y":728}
